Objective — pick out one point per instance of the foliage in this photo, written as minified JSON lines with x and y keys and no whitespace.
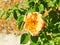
{"x":25,"y":38}
{"x":48,"y":36}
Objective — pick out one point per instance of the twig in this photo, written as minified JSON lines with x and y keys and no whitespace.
{"x":46,"y":12}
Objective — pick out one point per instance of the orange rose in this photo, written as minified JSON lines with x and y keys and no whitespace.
{"x":34,"y":23}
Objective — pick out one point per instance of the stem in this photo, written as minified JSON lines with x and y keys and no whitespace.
{"x":46,"y":12}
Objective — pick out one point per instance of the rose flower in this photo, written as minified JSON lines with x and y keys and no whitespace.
{"x":34,"y":23}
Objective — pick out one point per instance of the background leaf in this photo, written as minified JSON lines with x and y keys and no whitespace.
{"x":8,"y":15}
{"x":25,"y":38}
{"x":41,"y":8}
{"x":34,"y":39}
{"x":15,"y":14}
{"x":20,"y":21}
{"x":38,"y":43}
{"x":50,"y":4}
{"x":2,"y":13}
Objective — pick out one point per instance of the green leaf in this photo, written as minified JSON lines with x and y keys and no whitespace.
{"x":20,"y":18}
{"x":20,"y":21}
{"x":54,"y":1}
{"x":34,"y":39}
{"x":15,"y":7}
{"x":59,"y":25}
{"x":50,"y":4}
{"x":25,"y":5}
{"x":48,"y":37}
{"x":31,"y":4}
{"x":33,"y":43}
{"x":42,"y":35}
{"x":22,"y":11}
{"x":38,"y":43}
{"x":20,"y":26}
{"x":48,"y":0}
{"x":10,"y":10}
{"x":25,"y":38}
{"x":31,"y":10}
{"x":51,"y":42}
{"x":15,"y":15}
{"x":31,"y":0}
{"x":55,"y":35}
{"x":8,"y":16}
{"x":45,"y":40}
{"x":41,"y":8}
{"x":2,"y":13}
{"x":46,"y":43}
{"x":58,"y":41}
{"x":59,"y":3}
